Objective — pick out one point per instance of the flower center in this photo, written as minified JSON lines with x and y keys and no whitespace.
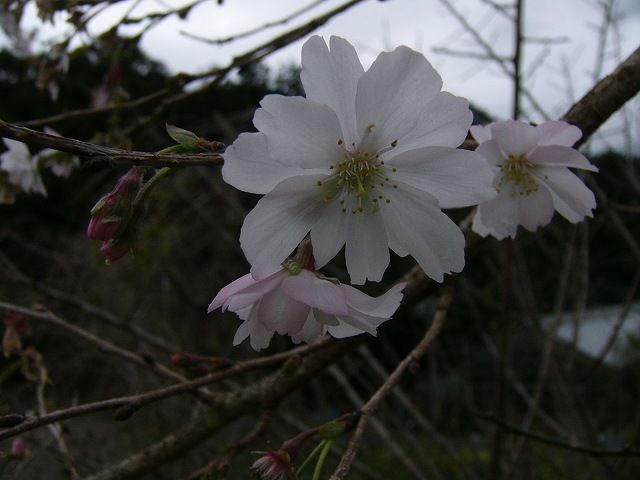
{"x":358,"y":181}
{"x":517,"y":172}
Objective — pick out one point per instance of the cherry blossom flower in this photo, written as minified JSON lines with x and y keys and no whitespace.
{"x":21,"y":168}
{"x":366,"y":160}
{"x":532,"y":176}
{"x":274,"y":465}
{"x":302,"y":303}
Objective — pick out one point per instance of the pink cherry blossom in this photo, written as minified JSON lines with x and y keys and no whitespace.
{"x":531,"y":166}
{"x":303,"y":304}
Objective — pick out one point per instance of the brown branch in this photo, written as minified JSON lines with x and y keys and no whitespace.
{"x":260,"y":395}
{"x":594,"y":452}
{"x":92,"y":152}
{"x":606,"y":97}
{"x":221,"y":463}
{"x":134,"y":402}
{"x":374,"y":402}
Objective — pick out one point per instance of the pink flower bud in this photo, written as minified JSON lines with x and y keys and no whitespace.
{"x":18,"y":449}
{"x":112,"y":211}
{"x":114,"y":250}
{"x":99,"y":228}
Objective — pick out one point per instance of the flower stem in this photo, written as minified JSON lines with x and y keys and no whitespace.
{"x":147,"y":187}
{"x":311,"y":456}
{"x":321,"y":459}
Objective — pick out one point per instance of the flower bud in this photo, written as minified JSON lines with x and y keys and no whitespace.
{"x":111,"y":213}
{"x":12,"y":338}
{"x":18,"y":449}
{"x":114,"y":250}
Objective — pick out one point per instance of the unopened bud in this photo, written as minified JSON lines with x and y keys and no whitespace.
{"x":18,"y":449}
{"x":125,"y":412}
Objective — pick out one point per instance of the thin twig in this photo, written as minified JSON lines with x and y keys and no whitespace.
{"x":374,"y":402}
{"x":594,"y":452}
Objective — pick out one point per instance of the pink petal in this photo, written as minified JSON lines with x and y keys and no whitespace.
{"x":231,"y":289}
{"x":310,"y":290}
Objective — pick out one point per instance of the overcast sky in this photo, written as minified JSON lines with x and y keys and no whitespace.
{"x":373,"y":26}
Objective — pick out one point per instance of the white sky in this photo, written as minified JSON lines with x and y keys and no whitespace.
{"x":373,"y":26}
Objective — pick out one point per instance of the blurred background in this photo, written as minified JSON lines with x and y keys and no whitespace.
{"x":564,"y":366}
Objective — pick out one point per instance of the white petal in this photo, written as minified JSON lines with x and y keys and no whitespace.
{"x":299,"y":132}
{"x":515,"y":137}
{"x":18,"y":149}
{"x":364,"y":323}
{"x":307,"y":288}
{"x":279,"y":222}
{"x":248,"y":166}
{"x":491,"y":153}
{"x":229,"y":290}
{"x":344,"y":330}
{"x":311,"y":330}
{"x":383,"y":306}
{"x":481,"y":133}
{"x":457,"y":178}
{"x":251,"y":293}
{"x":393,"y":95}
{"x":444,"y":122}
{"x":536,"y":209}
{"x":329,"y":233}
{"x":556,"y":132}
{"x":367,"y":249}
{"x":259,"y":335}
{"x":498,"y":217}
{"x":571,"y":197}
{"x":555,"y":155}
{"x":331,"y":77}
{"x":279,"y":312}
{"x":424,"y":231}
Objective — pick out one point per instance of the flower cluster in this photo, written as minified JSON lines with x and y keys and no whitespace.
{"x":367,"y":161}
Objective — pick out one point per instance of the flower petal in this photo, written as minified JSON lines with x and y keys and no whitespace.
{"x":279,"y":312}
{"x":367,"y":250}
{"x":491,"y":153}
{"x":444,"y":122}
{"x":571,"y":197}
{"x":555,"y":155}
{"x":344,"y":330}
{"x":231,"y":289}
{"x":310,"y":290}
{"x":536,"y":209}
{"x":498,"y":217}
{"x":253,"y":292}
{"x":331,"y":77}
{"x":329,"y":233}
{"x":392,"y":97}
{"x":515,"y":137}
{"x":311,"y":330}
{"x":279,"y":222}
{"x":299,"y":132}
{"x":554,"y":132}
{"x":383,"y":306}
{"x":248,"y":166}
{"x":481,"y":133}
{"x":424,"y":231}
{"x":457,"y":178}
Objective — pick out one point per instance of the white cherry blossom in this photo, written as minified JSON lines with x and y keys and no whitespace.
{"x":365,"y":161}
{"x":303,"y":304}
{"x":21,"y":168}
{"x":532,"y":176}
